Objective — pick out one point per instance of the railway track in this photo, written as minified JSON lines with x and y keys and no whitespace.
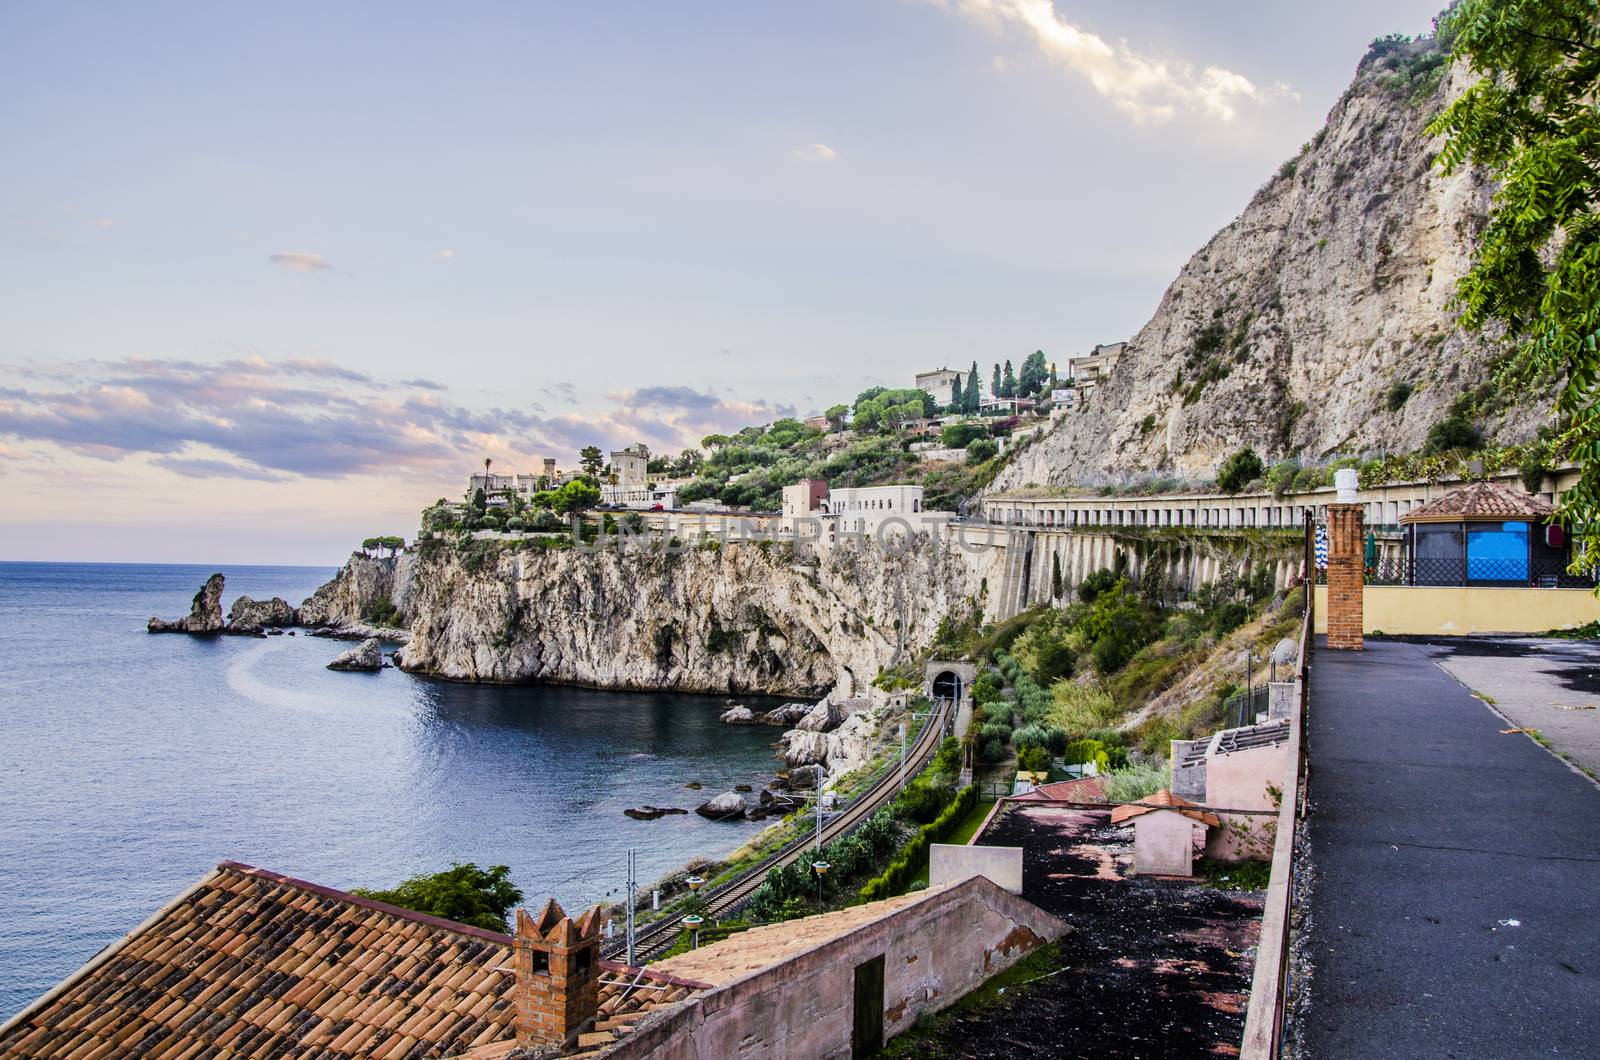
{"x":651,"y":941}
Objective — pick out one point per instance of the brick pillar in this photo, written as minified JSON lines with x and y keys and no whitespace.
{"x":557,"y":966}
{"x":1346,"y":576}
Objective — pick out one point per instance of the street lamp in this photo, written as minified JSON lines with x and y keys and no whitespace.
{"x":693,"y":922}
{"x":821,"y":869}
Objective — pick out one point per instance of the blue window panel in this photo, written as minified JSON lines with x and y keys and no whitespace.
{"x":1497,"y":552}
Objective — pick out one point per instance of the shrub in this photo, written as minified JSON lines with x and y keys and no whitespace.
{"x":464,"y":893}
{"x":980,"y":450}
{"x":1045,"y":651}
{"x":1452,"y":432}
{"x":948,"y":758}
{"x":961,"y":435}
{"x":923,"y":798}
{"x":1227,"y":618}
{"x":992,"y":751}
{"x":1533,"y":470}
{"x":1051,"y":737}
{"x":1095,"y":584}
{"x":912,"y":862}
{"x":1080,"y":708}
{"x":1281,"y":478}
{"x":1238,"y":471}
{"x":1133,"y":783}
{"x":1397,"y":395}
{"x":987,"y":688}
{"x":1034,"y":759}
{"x":995,"y":730}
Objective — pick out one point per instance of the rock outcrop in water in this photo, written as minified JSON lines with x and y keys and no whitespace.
{"x":361,"y":588}
{"x":1316,"y":322}
{"x":253,"y":616}
{"x":368,"y":655}
{"x":205,"y":613}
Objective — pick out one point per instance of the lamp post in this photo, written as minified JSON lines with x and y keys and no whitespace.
{"x":821,"y":869}
{"x":693,"y":922}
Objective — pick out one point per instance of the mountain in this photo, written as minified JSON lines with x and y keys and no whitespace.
{"x":1299,"y":327}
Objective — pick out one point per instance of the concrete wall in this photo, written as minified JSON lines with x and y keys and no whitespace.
{"x":1002,"y":866}
{"x":1163,"y":843}
{"x":1454,"y":610}
{"x":935,"y":951}
{"x":1244,"y":780}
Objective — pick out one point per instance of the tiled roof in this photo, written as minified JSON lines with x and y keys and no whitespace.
{"x":1162,"y":799}
{"x":248,"y":963}
{"x":627,"y":997}
{"x":1481,"y":500}
{"x":1086,"y":789}
{"x":762,"y":947}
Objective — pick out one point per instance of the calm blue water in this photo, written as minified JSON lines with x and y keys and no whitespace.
{"x":130,"y":764}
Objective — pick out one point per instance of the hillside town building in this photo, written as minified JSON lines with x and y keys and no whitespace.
{"x":944,"y":384}
{"x":1096,"y":366}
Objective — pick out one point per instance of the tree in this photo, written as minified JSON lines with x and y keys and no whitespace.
{"x":480,"y":501}
{"x":590,"y":460}
{"x":980,"y":450}
{"x":1034,"y":374}
{"x":960,"y":435}
{"x":1055,"y":576}
{"x":994,"y":382}
{"x":972,"y":397}
{"x":714,"y":441}
{"x":1008,"y":383}
{"x":464,"y":893}
{"x":575,"y":496}
{"x":1239,"y":470}
{"x":1531,"y":121}
{"x":1452,"y":432}
{"x":836,"y":415}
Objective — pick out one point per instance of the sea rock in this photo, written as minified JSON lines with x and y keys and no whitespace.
{"x":651,"y":813}
{"x":824,"y":717}
{"x":787,"y":714}
{"x":802,"y":777}
{"x":742,"y":788}
{"x":368,"y":655}
{"x":205,"y":613}
{"x":722,"y":808}
{"x":362,"y":584}
{"x":363,"y":631}
{"x":804,"y":748}
{"x":248,"y":616}
{"x":739,"y":716}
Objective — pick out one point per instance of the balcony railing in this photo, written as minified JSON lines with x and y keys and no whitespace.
{"x":1487,"y":571}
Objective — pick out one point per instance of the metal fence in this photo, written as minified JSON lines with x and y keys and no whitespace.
{"x":1538,"y":573}
{"x":1242,"y":707}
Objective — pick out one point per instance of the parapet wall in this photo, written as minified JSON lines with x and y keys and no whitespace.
{"x":1443,"y":611}
{"x":934,"y":952}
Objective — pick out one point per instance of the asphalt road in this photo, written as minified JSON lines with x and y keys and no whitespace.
{"x":1456,"y":904}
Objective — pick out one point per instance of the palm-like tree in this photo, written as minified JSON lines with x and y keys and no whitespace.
{"x":486,"y":462}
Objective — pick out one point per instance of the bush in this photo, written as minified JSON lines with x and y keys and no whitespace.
{"x":961,"y":435}
{"x":1045,"y":651}
{"x":923,"y":798}
{"x":464,"y":893}
{"x":1533,"y":470}
{"x":1238,"y":471}
{"x":1095,"y":584}
{"x":1133,"y":783}
{"x":995,"y":730}
{"x":987,"y":688}
{"x":913,"y":860}
{"x":1452,"y":432}
{"x":1227,"y":618}
{"x":1281,"y":478}
{"x":992,"y":751}
{"x":1397,"y":395}
{"x":1051,"y":737}
{"x":980,"y":450}
{"x":1080,"y":708}
{"x":1034,"y":759}
{"x":1111,"y":654}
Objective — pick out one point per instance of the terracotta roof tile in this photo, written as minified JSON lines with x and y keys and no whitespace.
{"x":1162,"y":799}
{"x":1481,"y":500}
{"x":255,"y":964}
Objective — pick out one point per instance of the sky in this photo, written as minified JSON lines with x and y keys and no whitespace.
{"x":273,"y":278}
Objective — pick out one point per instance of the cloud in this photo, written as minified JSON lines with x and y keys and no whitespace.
{"x":301,"y":261}
{"x":446,"y":255}
{"x":564,"y":392}
{"x":1148,"y":88}
{"x":201,"y":467}
{"x":264,"y":420}
{"x":817,"y":152}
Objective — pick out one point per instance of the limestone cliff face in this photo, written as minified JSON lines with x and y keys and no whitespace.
{"x":1286,"y":331}
{"x":741,"y":618}
{"x":363,"y":581}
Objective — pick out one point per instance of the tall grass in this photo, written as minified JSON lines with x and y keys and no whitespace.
{"x":1134,"y":782}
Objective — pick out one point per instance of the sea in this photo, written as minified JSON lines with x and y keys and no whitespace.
{"x":131,"y":764}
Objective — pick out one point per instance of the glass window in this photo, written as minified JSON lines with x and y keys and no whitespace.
{"x":1438,"y":555}
{"x":1497,"y":552}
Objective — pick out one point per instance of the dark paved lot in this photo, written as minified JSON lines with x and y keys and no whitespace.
{"x":1456,"y":910}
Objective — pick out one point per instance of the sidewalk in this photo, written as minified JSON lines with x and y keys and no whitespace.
{"x":1456,"y":903}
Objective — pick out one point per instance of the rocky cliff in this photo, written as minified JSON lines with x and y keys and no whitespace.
{"x":363,"y":586}
{"x":736,"y":618}
{"x":1290,"y":330}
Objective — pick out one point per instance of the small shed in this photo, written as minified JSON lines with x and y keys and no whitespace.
{"x":1488,"y":534}
{"x":1166,"y":830}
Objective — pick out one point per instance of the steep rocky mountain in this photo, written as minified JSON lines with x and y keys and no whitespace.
{"x":1299,"y":327}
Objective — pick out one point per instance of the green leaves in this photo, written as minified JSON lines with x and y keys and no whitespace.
{"x":1534,"y":121}
{"x":464,"y":893}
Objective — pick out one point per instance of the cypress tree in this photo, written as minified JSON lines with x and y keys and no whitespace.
{"x":974,"y":392}
{"x":1008,"y":385}
{"x":1055,"y":576}
{"x":994,"y":384}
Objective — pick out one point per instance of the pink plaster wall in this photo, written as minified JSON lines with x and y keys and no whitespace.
{"x":1244,"y":780}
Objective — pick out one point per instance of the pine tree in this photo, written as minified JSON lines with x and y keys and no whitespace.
{"x":1008,"y":384}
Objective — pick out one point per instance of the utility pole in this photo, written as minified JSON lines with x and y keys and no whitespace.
{"x":902,"y":756}
{"x":633,"y":886}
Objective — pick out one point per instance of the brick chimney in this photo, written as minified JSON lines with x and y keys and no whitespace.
{"x":1346,"y":567}
{"x":557,"y":964}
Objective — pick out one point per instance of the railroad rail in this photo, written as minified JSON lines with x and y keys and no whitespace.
{"x":653,"y":940}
